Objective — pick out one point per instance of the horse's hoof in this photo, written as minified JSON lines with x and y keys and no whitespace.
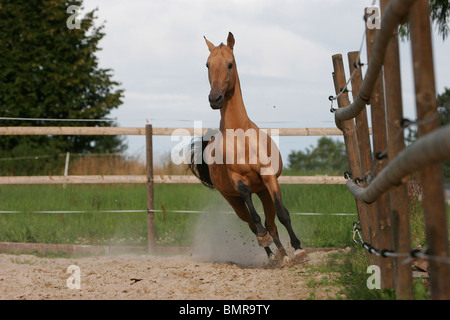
{"x":265,"y":241}
{"x":300,"y":256}
{"x":278,"y":260}
{"x":271,"y":258}
{"x":285,"y":261}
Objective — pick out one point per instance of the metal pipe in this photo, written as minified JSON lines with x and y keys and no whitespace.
{"x":393,"y":16}
{"x":431,"y":148}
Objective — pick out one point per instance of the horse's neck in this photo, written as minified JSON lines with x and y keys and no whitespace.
{"x":234,"y":115}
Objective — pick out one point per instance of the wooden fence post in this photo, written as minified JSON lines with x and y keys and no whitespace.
{"x":363,"y":135}
{"x":399,"y":200}
{"x":379,"y":137}
{"x":351,"y":142}
{"x":432,"y":176}
{"x":150,"y":194}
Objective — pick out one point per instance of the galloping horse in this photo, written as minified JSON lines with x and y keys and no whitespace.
{"x":240,"y":159}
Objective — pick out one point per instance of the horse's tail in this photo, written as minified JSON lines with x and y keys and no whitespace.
{"x":196,"y":163}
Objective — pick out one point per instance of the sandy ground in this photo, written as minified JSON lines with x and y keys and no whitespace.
{"x":158,"y":277}
{"x":225,"y":262}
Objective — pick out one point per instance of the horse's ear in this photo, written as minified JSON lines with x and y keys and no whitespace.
{"x":209,"y":44}
{"x":230,"y":40}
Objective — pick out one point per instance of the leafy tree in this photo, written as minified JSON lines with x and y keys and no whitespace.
{"x":440,"y":15}
{"x":444,"y":112}
{"x":50,"y":71}
{"x":443,"y":102}
{"x":328,"y":156}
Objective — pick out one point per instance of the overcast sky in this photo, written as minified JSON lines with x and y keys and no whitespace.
{"x":283,"y":54}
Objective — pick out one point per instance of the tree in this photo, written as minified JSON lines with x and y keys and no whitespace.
{"x":328,"y":156}
{"x":50,"y":71}
{"x":443,"y":103}
{"x":440,"y":15}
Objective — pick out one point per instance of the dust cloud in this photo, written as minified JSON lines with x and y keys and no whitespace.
{"x":223,"y":237}
{"x":220,"y":236}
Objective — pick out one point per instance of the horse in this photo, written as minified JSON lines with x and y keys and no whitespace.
{"x":240,"y":159}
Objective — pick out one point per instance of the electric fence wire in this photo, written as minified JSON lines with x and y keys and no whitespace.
{"x":413,"y":254}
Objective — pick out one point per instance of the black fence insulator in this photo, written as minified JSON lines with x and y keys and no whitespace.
{"x":384,"y":251}
{"x":415,"y":253}
{"x":380,"y":155}
{"x":405,"y":123}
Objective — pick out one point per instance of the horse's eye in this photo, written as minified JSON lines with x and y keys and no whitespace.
{"x":230,"y":65}
{"x":207,"y":65}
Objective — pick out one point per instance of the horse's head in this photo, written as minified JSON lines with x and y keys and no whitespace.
{"x":221,"y":72}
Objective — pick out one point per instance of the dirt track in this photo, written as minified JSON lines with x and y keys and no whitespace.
{"x":225,"y":262}
{"x":158,"y":277}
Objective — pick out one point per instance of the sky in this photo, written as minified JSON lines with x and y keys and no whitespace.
{"x":283,"y":51}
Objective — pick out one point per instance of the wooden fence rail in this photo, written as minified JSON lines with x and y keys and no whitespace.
{"x":24,"y":131}
{"x":157,"y":179}
{"x":384,"y":186}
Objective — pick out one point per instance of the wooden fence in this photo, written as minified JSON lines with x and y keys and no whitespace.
{"x":379,"y":184}
{"x":114,"y":131}
{"x":150,"y":179}
{"x":157,"y":179}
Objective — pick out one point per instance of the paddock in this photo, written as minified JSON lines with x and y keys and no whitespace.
{"x":216,"y":271}
{"x":384,"y":227}
{"x":183,"y":276}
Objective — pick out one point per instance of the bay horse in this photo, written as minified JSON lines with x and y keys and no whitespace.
{"x":237,"y":168}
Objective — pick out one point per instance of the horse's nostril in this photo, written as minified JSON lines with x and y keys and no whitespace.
{"x":215,"y":97}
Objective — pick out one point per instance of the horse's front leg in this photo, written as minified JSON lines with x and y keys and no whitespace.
{"x":271,"y":183}
{"x":270,"y":212}
{"x":244,"y":191}
{"x":243,"y":213}
{"x":264,"y":237}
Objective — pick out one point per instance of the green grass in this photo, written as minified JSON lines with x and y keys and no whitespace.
{"x":178,"y":229}
{"x":348,"y":271}
{"x":171,"y":228}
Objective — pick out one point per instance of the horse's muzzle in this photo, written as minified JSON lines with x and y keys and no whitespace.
{"x":216,"y":100}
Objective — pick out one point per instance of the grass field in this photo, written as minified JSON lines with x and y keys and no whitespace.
{"x":176,"y":229}
{"x":182,"y":229}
